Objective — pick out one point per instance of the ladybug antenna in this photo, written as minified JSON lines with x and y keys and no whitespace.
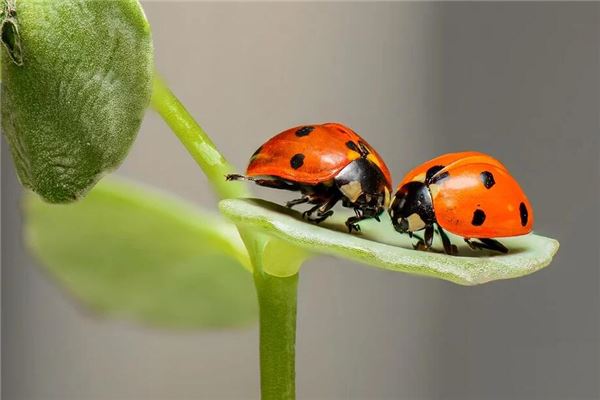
{"x":363,"y":149}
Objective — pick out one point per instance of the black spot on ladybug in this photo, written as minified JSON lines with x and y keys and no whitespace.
{"x":297,"y":160}
{"x":488,"y":179}
{"x":305,"y":131}
{"x":478,"y":217}
{"x":352,"y":146}
{"x":257,"y":151}
{"x":432,"y":171}
{"x":524,"y":213}
{"x":439,"y":177}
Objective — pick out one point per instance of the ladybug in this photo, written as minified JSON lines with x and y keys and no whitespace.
{"x":325,"y":163}
{"x":470,"y":194}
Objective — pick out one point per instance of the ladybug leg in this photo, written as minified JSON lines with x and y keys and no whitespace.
{"x":270,"y":183}
{"x":428,"y":236}
{"x":488,"y":244}
{"x":423,"y":244}
{"x":420,"y":245}
{"x":235,"y":177}
{"x":449,"y":248}
{"x":308,"y":213}
{"x":292,"y":203}
{"x":322,"y":210}
{"x":472,"y":245}
{"x":494,"y":245}
{"x":362,"y":213}
{"x":414,"y":235}
{"x":351,"y":223}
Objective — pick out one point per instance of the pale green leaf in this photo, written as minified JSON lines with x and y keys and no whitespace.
{"x":129,"y":252}
{"x":77,"y":78}
{"x":379,"y":245}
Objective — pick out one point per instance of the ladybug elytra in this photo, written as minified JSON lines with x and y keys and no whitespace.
{"x":326,"y":163}
{"x":469,"y":194}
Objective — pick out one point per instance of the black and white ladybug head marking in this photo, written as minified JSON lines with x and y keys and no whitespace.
{"x":364,"y":186}
{"x":412,"y":208}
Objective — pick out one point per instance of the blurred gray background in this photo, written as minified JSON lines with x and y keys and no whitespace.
{"x":521,"y":81}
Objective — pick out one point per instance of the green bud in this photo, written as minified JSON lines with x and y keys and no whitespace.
{"x":76,"y":80}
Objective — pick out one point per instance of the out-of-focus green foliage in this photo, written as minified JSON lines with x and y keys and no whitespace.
{"x":379,"y":245}
{"x":77,"y":78}
{"x":129,"y":252}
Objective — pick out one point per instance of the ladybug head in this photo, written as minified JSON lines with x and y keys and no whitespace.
{"x":412,"y":208}
{"x":364,"y":186}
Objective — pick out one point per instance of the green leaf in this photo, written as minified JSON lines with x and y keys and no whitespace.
{"x":77,"y":78}
{"x":129,"y":252}
{"x":379,"y":245}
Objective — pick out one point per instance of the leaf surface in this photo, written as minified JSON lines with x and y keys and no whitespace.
{"x":379,"y":245}
{"x":129,"y":252}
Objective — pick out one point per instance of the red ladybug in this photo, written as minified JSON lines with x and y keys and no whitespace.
{"x":469,"y":194}
{"x":326,"y":163}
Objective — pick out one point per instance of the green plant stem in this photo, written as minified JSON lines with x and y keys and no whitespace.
{"x":276,"y":296}
{"x":277,"y":304}
{"x":196,"y":141}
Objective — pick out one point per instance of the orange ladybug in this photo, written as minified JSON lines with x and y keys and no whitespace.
{"x":470,"y":194}
{"x":325,"y":163}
